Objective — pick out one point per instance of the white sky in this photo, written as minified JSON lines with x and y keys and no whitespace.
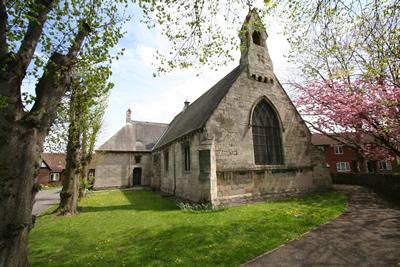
{"x":160,"y":99}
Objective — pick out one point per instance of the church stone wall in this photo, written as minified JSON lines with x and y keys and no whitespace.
{"x":185,"y":183}
{"x":115,"y":169}
{"x":155,"y":181}
{"x":194,"y":185}
{"x":237,"y":174}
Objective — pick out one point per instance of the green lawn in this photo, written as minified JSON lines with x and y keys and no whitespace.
{"x":140,"y":228}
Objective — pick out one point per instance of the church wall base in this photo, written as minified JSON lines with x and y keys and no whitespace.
{"x":243,"y":186}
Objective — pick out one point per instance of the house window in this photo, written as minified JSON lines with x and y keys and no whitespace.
{"x":338,"y":149}
{"x":186,"y":155}
{"x":138,"y":159}
{"x":385,"y":165}
{"x":343,"y":166}
{"x":166,"y":160}
{"x":267,"y":141}
{"x":54,"y":177}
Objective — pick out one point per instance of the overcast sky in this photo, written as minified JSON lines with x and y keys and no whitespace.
{"x":160,"y":99}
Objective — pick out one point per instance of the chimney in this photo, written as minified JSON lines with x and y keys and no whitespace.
{"x":128,"y":115}
{"x":186,"y":105}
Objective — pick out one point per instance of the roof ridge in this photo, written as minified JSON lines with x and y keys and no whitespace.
{"x":197,"y":113}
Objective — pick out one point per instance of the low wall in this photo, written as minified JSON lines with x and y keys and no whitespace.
{"x":388,"y":185}
{"x":247,"y":185}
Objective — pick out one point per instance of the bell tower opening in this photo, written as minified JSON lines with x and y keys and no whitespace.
{"x":256,"y":36}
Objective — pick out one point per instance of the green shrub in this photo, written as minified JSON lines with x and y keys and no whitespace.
{"x":199,"y":207}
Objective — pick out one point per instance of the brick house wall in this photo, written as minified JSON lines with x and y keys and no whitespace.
{"x":333,"y":158}
{"x":43,"y":177}
{"x":356,"y":165}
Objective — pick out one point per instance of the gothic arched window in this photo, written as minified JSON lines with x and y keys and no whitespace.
{"x":266,"y":135}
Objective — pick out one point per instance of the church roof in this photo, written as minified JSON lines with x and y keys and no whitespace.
{"x":135,"y":136}
{"x":195,"y":116}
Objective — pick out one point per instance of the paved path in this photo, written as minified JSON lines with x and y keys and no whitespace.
{"x":45,"y":199}
{"x":366,"y":234}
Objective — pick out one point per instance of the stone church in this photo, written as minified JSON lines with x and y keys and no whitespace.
{"x":241,"y":140}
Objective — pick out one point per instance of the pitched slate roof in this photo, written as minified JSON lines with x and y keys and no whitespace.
{"x":55,"y":161}
{"x":135,"y":136}
{"x":197,"y":114}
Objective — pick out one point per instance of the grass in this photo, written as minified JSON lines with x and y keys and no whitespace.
{"x":140,"y":228}
{"x":50,"y":187}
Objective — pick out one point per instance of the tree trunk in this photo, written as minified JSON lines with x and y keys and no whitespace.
{"x":84,"y":179}
{"x":21,"y":138}
{"x":70,"y":190}
{"x":84,"y":165}
{"x":20,"y":149}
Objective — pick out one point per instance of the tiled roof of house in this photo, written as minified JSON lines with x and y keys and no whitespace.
{"x":196,"y":114}
{"x":321,"y":139}
{"x":135,"y":136}
{"x":55,"y":161}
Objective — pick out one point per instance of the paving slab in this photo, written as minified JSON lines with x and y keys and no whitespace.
{"x":366,"y":234}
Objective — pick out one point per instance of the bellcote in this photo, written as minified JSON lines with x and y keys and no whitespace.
{"x":254,"y":51}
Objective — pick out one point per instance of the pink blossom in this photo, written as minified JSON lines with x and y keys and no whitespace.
{"x":361,"y":108}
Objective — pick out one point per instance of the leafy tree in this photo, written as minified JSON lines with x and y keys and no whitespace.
{"x":39,"y":39}
{"x":89,"y":138}
{"x":89,"y":94}
{"x":199,"y":32}
{"x":347,"y":50}
{"x":362,"y":111}
{"x":349,"y":40}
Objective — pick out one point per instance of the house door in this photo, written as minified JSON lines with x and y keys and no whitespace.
{"x":137,"y":176}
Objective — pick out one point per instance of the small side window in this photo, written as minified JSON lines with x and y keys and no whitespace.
{"x":186,"y":155}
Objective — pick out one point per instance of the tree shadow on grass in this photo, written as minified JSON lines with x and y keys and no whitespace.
{"x":215,"y":244}
{"x":139,"y":200}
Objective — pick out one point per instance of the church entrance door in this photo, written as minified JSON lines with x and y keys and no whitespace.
{"x":137,"y":176}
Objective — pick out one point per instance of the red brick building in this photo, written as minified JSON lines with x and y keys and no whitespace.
{"x":341,"y":158}
{"x":52,"y":168}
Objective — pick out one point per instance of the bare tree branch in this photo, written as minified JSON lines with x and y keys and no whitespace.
{"x":35,"y":28}
{"x":3,"y":29}
{"x":55,"y":79}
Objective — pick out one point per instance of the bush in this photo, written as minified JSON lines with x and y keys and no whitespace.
{"x":199,"y":207}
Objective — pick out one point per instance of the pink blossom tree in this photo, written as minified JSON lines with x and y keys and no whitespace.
{"x":364,"y":114}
